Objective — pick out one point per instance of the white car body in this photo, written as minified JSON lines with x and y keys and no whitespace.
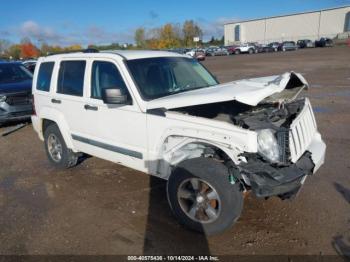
{"x":145,"y":138}
{"x":245,"y":48}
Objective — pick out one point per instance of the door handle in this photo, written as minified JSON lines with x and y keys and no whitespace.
{"x":55,"y":101}
{"x":93,"y":108}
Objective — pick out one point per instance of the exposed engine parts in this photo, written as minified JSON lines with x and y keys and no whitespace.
{"x":269,"y":116}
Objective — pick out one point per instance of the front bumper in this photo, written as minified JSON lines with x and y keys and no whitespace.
{"x":268,"y":179}
{"x":10,"y":113}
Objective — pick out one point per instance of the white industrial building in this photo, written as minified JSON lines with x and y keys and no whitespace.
{"x":293,"y":27}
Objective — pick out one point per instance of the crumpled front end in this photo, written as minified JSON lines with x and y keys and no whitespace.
{"x":284,"y":180}
{"x":302,"y":152}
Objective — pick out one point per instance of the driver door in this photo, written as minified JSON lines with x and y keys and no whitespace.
{"x":116,"y":132}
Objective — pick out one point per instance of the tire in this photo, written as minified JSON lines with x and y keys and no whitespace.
{"x":250,"y":51}
{"x":227,"y":205}
{"x":237,"y":52}
{"x":67,"y":157}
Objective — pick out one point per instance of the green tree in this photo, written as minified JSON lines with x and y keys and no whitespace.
{"x":45,"y":49}
{"x":191,"y":30}
{"x":212,"y":40}
{"x":222,"y":40}
{"x":14,"y":52}
{"x":169,"y":37}
{"x":140,"y":38}
{"x":4,"y":45}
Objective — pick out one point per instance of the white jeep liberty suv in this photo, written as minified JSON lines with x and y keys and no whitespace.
{"x":164,"y":114}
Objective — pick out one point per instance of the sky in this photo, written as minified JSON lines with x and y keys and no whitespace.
{"x":66,"y":22}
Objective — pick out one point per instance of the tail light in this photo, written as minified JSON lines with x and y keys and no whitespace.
{"x":33,"y":105}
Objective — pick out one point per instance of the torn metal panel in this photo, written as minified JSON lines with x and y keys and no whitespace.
{"x":270,"y":116}
{"x":177,"y":149}
{"x":249,"y":91}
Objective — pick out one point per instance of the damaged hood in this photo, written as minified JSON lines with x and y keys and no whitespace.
{"x":248,"y":91}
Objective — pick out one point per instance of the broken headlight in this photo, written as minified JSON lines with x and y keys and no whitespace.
{"x":2,"y":98}
{"x":267,"y":145}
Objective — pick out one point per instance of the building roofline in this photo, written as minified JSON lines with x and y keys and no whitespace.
{"x":277,"y":16}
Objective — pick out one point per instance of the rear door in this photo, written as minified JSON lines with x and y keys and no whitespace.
{"x":69,"y":98}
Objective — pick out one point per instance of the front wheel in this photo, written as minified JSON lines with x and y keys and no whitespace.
{"x":201,"y":196}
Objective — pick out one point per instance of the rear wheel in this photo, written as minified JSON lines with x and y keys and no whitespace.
{"x":201,"y":197}
{"x":56,"y":149}
{"x":250,"y":51}
{"x":237,"y":52}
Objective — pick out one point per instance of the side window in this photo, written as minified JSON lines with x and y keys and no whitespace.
{"x":44,"y":76}
{"x":237,"y":33}
{"x":71,"y":78}
{"x":347,"y":23}
{"x":105,"y":75}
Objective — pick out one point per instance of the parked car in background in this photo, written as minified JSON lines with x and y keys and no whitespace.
{"x":30,"y":65}
{"x":216,"y":51}
{"x":274,"y":45}
{"x":231,"y":49}
{"x":267,"y":48}
{"x":288,"y":46}
{"x":198,"y":54}
{"x":324,"y":42}
{"x":180,"y":50}
{"x":246,"y":48}
{"x":15,"y":92}
{"x":305,"y":43}
{"x":258,"y":47}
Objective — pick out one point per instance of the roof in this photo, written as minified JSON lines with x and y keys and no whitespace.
{"x":125,"y":54}
{"x":10,"y":62}
{"x":139,"y":54}
{"x":300,"y":13}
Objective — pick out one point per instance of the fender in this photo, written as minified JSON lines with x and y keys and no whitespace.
{"x":176,"y":148}
{"x":57,"y":117}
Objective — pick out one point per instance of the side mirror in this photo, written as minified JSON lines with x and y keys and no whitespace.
{"x":114,"y":96}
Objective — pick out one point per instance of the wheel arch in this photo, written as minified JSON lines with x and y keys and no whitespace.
{"x":52,"y":116}
{"x":175,"y":149}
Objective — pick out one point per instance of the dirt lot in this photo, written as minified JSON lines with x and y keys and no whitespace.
{"x":103,"y":208}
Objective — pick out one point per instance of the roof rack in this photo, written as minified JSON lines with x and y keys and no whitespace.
{"x":88,"y":50}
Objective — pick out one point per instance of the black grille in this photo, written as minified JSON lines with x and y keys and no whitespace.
{"x":22,"y":99}
{"x":19,"y":114}
{"x":283,"y":143}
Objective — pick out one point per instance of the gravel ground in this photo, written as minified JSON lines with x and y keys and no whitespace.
{"x":103,"y":208}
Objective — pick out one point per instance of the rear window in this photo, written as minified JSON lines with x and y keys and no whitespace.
{"x":44,"y":77}
{"x":71,"y":78}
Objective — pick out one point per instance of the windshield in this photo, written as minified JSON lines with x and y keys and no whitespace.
{"x":10,"y":73}
{"x":163,"y":76}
